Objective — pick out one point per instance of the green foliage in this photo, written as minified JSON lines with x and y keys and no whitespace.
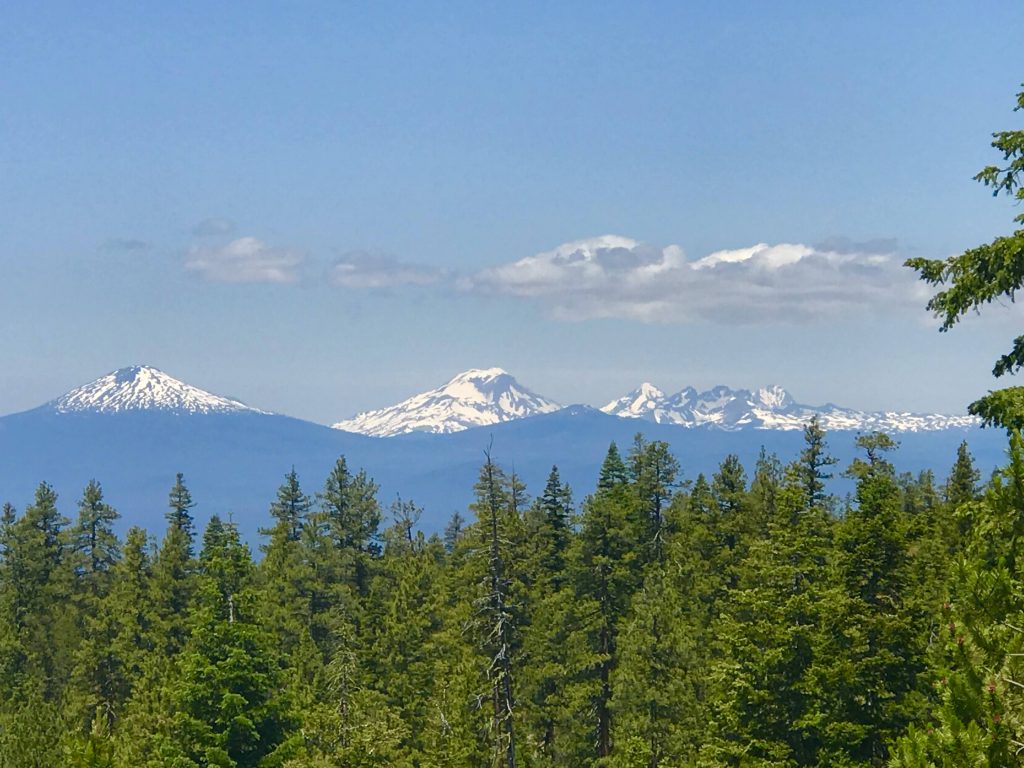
{"x":985,"y":274}
{"x":662,"y":624}
{"x":227,"y":700}
{"x":979,"y":666}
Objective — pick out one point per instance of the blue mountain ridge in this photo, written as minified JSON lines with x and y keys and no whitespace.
{"x":234,"y":462}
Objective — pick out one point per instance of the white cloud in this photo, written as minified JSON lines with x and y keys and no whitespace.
{"x":245,"y":260}
{"x":614,"y":276}
{"x":363,"y":270}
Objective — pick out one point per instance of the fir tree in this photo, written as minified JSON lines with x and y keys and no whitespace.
{"x":286,"y":573}
{"x":453,"y":531}
{"x":813,"y":465}
{"x":229,"y":710}
{"x":653,"y":469}
{"x":95,"y":551}
{"x":875,"y":678}
{"x":978,"y":672}
{"x":94,"y":545}
{"x":768,"y":638}
{"x":35,"y":582}
{"x":496,"y":506}
{"x":605,"y":574}
{"x":174,"y":570}
{"x":962,"y":484}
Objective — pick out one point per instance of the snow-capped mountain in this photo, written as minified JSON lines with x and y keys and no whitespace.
{"x":143,"y":388}
{"x":769,"y":407}
{"x":474,"y":398}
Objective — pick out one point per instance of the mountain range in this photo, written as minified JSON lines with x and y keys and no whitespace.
{"x":134,"y":428}
{"x":482,"y":397}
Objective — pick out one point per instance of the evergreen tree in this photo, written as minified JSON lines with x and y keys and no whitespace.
{"x":8,"y":516}
{"x":774,"y":627}
{"x":658,"y":677}
{"x":286,"y":572}
{"x":962,"y":484}
{"x":174,"y":570}
{"x":813,"y":465}
{"x":35,"y":581}
{"x":605,"y":574}
{"x":95,"y":551}
{"x":94,"y":545}
{"x":454,"y":531}
{"x":874,"y":678}
{"x":653,"y":469}
{"x":496,"y":508}
{"x":548,"y":537}
{"x":978,"y":671}
{"x":228,"y":704}
{"x":401,"y":661}
{"x":985,"y":274}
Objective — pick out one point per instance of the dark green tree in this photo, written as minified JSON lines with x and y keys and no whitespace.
{"x":962,"y":484}
{"x":978,"y":673}
{"x":985,"y":274}
{"x":605,"y":573}
{"x":174,"y":570}
{"x":813,"y":465}
{"x":875,"y":677}
{"x":36,"y":590}
{"x":228,"y":703}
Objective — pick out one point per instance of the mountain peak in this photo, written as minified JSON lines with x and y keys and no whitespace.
{"x":143,"y":388}
{"x":473,"y":398}
{"x":642,"y":402}
{"x":479,"y":373}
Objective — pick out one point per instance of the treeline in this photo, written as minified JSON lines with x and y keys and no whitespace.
{"x":749,"y":618}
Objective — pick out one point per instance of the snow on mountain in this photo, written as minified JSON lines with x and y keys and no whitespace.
{"x":765,"y":408}
{"x":143,"y":388}
{"x":472,"y":399}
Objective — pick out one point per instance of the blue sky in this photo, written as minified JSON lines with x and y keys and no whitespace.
{"x":322,"y":208}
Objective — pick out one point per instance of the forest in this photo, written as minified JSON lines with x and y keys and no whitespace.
{"x":750,"y":618}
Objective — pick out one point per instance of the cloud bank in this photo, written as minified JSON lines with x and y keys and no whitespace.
{"x":616,"y":277}
{"x":245,"y":260}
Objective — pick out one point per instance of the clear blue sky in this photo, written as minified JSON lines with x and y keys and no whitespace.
{"x":323,"y":207}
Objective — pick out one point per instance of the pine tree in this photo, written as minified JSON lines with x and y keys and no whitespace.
{"x":229,"y":709}
{"x":35,"y":580}
{"x":874,"y":678}
{"x":978,"y":673}
{"x":94,"y":553}
{"x":94,"y":545}
{"x":180,"y":515}
{"x":659,"y":672}
{"x":496,"y":507}
{"x":548,"y":536}
{"x":653,"y":470}
{"x":769,"y":636}
{"x":285,"y":572}
{"x":8,"y":515}
{"x":962,"y":484}
{"x":174,"y":570}
{"x":605,"y":575}
{"x":453,"y":531}
{"x":813,"y":465}
{"x":401,"y":661}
